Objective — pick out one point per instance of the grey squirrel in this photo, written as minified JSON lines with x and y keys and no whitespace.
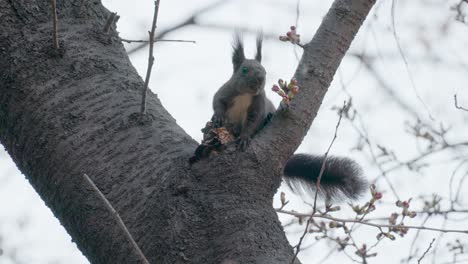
{"x":242,"y":106}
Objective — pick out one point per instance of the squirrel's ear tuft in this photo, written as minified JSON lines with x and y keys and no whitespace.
{"x":238,"y":51}
{"x":258,"y":56}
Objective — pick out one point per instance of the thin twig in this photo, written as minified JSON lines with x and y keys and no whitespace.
{"x":327,"y":256}
{"x":118,"y":219}
{"x":365,"y":135}
{"x":298,"y":246}
{"x":156,"y":40}
{"x":400,"y":50}
{"x":415,"y":239}
{"x":150,"y":57}
{"x":322,"y":169}
{"x":55,"y":23}
{"x":456,"y":104}
{"x":191,"y":20}
{"x":109,"y":22}
{"x":427,"y":250}
{"x":298,"y":14}
{"x":372,"y":69}
{"x":428,"y":153}
{"x":317,"y":187}
{"x":340,"y":220}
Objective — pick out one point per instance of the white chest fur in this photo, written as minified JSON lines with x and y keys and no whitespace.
{"x":237,"y":112}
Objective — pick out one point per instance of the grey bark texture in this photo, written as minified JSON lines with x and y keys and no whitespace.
{"x":75,"y":110}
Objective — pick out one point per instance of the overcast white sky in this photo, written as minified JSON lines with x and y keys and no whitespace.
{"x":186,"y":76}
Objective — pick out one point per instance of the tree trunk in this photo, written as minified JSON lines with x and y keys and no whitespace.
{"x":74,"y":111}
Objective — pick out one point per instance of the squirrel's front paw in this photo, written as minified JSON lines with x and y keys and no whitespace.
{"x":217,"y":121}
{"x":243,"y":142}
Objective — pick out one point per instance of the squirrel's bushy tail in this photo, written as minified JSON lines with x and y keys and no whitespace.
{"x":342,"y":177}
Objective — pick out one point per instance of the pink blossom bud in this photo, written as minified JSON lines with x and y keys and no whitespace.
{"x":377,"y":195}
{"x":393,"y":218}
{"x":293,"y":27}
{"x":275,"y":88}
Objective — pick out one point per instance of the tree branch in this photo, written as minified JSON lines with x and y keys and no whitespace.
{"x":456,"y":104}
{"x":150,"y":58}
{"x":322,"y":169}
{"x":53,"y":4}
{"x":379,"y":226}
{"x":83,"y":117}
{"x":191,"y":20}
{"x":319,"y":62}
{"x":118,"y":219}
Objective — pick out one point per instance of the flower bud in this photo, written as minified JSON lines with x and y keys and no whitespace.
{"x":294,"y":89}
{"x":377,"y":195}
{"x":393,"y":218}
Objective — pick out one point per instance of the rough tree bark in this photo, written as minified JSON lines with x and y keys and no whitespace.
{"x":72,"y":111}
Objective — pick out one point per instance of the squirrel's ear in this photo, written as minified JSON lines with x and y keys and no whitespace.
{"x":238,"y":53}
{"x":258,"y":56}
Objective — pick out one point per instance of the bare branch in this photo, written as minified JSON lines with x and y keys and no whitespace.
{"x":317,"y":187}
{"x":150,"y":57}
{"x":367,"y":61}
{"x":427,"y":250}
{"x":322,"y":169}
{"x":191,"y":20}
{"x":456,"y":104}
{"x":55,"y":23}
{"x":400,"y":50}
{"x":379,"y":226}
{"x":119,"y":220}
{"x":298,"y":246}
{"x":344,"y":19}
{"x":156,"y":40}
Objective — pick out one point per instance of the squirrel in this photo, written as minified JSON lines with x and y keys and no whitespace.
{"x":242,"y":107}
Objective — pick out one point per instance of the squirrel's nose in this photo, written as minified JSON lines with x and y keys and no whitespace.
{"x":260,"y":79}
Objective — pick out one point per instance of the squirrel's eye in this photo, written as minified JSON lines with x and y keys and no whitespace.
{"x":245,"y":70}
